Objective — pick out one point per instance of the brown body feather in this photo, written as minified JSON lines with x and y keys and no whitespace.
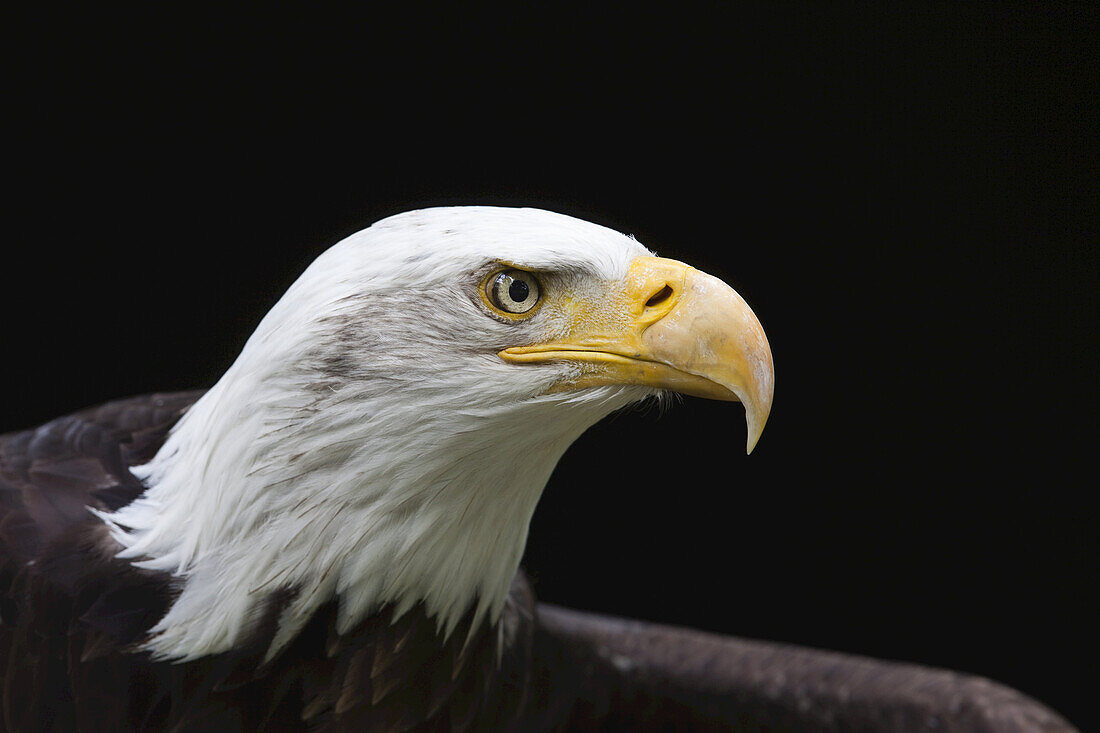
{"x":71,"y":614}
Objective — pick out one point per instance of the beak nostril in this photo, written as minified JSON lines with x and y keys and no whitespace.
{"x":659,"y":297}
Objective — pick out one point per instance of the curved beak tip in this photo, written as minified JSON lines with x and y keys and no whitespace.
{"x":756,"y":416}
{"x":755,"y":429}
{"x":756,"y":385}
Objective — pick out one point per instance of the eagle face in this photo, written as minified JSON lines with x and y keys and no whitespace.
{"x":386,"y":432}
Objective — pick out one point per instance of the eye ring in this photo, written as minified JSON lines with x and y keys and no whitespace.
{"x":512,"y":293}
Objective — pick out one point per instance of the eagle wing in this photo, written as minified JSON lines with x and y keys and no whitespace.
{"x":631,"y":675}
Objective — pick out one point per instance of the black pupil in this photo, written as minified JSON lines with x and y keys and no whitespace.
{"x":518,"y":291}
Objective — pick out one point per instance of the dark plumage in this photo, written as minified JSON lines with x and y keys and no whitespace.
{"x":71,"y":614}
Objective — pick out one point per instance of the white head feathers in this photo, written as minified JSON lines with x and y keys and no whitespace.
{"x":368,"y":444}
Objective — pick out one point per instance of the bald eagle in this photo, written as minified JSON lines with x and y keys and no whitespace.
{"x":329,"y":538}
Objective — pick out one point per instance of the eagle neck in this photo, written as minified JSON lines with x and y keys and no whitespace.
{"x":376,"y":497}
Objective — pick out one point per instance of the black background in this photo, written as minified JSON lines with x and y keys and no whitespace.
{"x":898,"y":191}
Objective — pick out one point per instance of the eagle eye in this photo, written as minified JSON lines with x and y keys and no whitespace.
{"x":514,"y":292}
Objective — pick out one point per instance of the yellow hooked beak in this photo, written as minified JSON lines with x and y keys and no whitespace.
{"x":668,"y":326}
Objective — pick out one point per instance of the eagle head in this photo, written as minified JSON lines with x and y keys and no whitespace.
{"x":386,"y":432}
